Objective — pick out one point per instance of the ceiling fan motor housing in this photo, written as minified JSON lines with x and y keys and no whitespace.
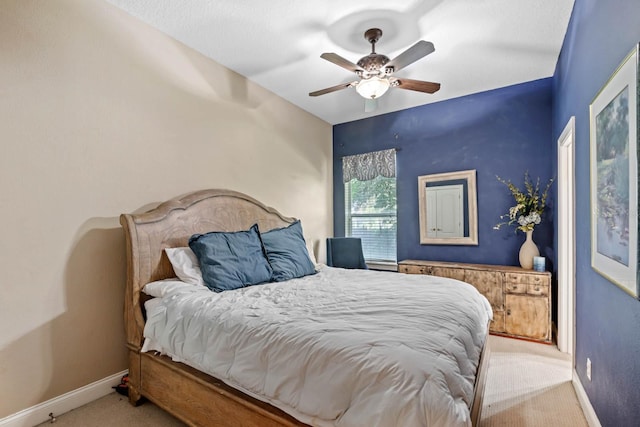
{"x":373,"y":63}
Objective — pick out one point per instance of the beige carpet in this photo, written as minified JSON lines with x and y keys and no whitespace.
{"x":528,"y":385}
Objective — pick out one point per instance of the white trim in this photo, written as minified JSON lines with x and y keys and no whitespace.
{"x":566,"y":239}
{"x":382,"y":265}
{"x":64,"y":403}
{"x":585,"y":403}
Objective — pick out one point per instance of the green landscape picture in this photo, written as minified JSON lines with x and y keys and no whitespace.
{"x":612,"y":160}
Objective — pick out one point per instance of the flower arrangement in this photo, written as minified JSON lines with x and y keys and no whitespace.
{"x":527,"y":213}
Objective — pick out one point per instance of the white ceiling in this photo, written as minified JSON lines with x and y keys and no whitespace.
{"x":480,"y":44}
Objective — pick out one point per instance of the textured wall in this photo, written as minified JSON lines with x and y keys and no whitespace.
{"x":101,"y":114}
{"x":600,"y":35}
{"x":501,"y":132}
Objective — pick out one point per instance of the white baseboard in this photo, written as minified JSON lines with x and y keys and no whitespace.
{"x":585,"y":403}
{"x":59,"y":405}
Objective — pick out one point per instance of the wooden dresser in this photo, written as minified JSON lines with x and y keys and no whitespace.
{"x":521,"y":299}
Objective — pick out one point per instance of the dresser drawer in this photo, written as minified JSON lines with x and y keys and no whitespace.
{"x":513,"y":278}
{"x":515,"y":288}
{"x":527,"y":279}
{"x":535,"y":279}
{"x":539,"y":290}
{"x":414,"y":269}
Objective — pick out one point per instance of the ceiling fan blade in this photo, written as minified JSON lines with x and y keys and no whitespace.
{"x":370,"y":105}
{"x":417,"y":85}
{"x":411,"y":55}
{"x":332,"y":88}
{"x":339,"y":60}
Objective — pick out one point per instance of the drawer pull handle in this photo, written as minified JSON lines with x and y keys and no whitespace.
{"x":537,"y":288}
{"x":509,"y":312}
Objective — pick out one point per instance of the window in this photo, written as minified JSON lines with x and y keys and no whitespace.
{"x":370,"y":203}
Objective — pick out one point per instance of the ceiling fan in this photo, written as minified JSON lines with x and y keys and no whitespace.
{"x":375,"y":70}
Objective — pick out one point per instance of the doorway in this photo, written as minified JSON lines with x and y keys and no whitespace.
{"x":566,"y":239}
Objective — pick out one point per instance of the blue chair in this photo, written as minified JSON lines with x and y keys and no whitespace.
{"x":345,"y":252}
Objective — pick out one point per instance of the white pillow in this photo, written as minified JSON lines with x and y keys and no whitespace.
{"x":185,"y":264}
{"x":161,"y":288}
{"x":312,"y":256}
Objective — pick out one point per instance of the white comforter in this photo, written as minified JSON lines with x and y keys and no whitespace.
{"x":340,"y":348}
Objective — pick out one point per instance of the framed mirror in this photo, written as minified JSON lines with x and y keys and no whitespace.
{"x":448,"y":208}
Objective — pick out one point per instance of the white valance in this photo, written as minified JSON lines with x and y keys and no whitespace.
{"x":368,"y":166}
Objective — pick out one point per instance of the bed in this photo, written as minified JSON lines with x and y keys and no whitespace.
{"x":183,"y":388}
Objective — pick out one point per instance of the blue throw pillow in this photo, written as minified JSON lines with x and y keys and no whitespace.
{"x":231,"y":260}
{"x":287,"y":252}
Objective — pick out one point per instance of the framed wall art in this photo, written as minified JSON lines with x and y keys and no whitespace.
{"x":448,"y":208}
{"x":614,"y":177}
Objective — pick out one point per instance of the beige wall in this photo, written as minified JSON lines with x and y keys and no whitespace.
{"x":99,"y":115}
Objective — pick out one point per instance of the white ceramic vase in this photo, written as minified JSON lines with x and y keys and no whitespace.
{"x":527,"y":251}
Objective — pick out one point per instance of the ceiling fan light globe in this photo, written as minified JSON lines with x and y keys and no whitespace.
{"x":373,"y":87}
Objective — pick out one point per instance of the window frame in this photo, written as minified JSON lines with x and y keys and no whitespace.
{"x":349,"y":215}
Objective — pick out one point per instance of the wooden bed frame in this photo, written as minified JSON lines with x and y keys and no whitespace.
{"x":196,"y":398}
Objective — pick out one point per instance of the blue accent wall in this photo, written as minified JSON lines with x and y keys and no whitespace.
{"x":505,"y":132}
{"x":501,"y":132}
{"x":600,"y":34}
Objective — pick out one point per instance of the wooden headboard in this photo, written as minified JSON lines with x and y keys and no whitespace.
{"x":170,"y":225}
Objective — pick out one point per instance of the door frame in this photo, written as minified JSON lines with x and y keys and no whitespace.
{"x":566,"y":240}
